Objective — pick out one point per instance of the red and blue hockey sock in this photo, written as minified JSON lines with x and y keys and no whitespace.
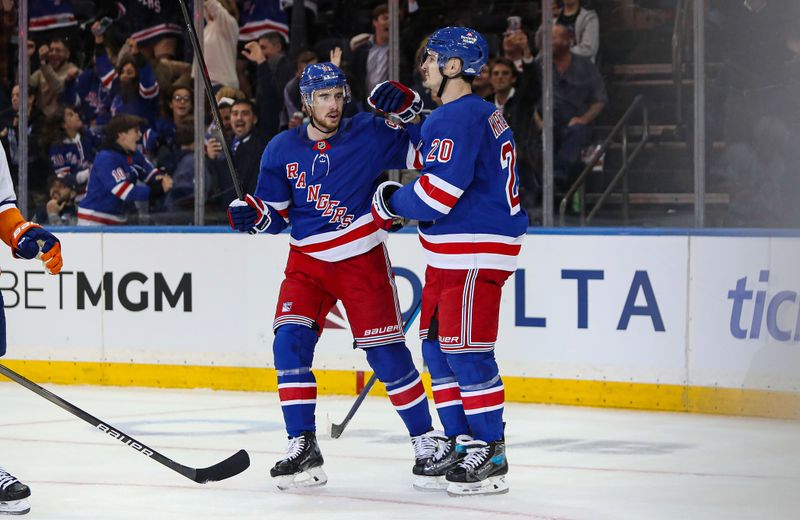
{"x":395,"y":369}
{"x":297,"y":387}
{"x":482,"y":392}
{"x":446,"y":394}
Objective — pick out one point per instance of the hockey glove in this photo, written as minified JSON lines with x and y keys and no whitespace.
{"x":381,"y":211}
{"x":250,"y":215}
{"x":31,"y":240}
{"x":396,"y":99}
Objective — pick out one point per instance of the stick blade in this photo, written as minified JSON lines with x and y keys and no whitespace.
{"x":337,"y":430}
{"x":228,"y":468}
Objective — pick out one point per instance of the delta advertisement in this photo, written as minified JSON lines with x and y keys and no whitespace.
{"x":711,"y":311}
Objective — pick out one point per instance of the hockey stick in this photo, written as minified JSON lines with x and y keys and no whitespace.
{"x":201,"y":65}
{"x":229,"y":467}
{"x":338,"y":429}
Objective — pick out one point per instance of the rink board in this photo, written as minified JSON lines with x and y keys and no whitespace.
{"x":666,"y":320}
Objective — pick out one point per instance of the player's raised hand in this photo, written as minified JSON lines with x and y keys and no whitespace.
{"x":381,"y":211}
{"x":394,"y":98}
{"x":250,"y":215}
{"x":31,"y":240}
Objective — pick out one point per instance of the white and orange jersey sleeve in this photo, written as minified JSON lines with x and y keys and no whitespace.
{"x":10,"y":217}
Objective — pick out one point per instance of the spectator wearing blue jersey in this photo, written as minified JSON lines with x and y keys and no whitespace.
{"x":93,"y":90}
{"x":138,"y":88}
{"x":71,"y":149}
{"x":120,"y":176}
{"x":471,"y":228}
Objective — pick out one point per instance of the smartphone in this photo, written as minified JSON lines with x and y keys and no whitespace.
{"x":514,"y":24}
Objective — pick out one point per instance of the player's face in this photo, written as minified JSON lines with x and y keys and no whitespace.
{"x":431,"y":76}
{"x":326,"y":107}
{"x":128,"y":139}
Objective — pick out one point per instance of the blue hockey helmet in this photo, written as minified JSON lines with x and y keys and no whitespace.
{"x":463,"y":43}
{"x":319,"y":76}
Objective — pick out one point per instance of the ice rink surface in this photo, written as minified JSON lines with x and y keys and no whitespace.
{"x":565,"y":463}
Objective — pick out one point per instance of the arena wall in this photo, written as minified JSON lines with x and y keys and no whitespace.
{"x":663,"y":319}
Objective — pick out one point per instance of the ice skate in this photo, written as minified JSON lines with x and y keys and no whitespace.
{"x":481,"y":472}
{"x":13,"y":495}
{"x":425,"y":447}
{"x":431,"y":475}
{"x":302,"y":466}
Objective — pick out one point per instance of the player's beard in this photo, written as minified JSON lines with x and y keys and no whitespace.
{"x":325,"y":123}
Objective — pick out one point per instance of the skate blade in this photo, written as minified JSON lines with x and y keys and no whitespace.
{"x":426,"y":483}
{"x":312,"y":477}
{"x":490,"y":486}
{"x":15,"y":507}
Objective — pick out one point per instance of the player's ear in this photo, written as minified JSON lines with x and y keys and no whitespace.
{"x":453,"y":66}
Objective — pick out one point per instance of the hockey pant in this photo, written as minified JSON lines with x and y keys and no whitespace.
{"x":293,"y":349}
{"x":467,"y":390}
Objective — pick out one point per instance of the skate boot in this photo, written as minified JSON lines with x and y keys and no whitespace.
{"x":481,"y":472}
{"x":302,"y":466}
{"x":13,"y":495}
{"x":425,"y":447}
{"x":430,"y":477}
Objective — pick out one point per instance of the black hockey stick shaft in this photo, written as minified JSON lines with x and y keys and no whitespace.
{"x":201,"y":65}
{"x":229,"y":467}
{"x":338,"y":429}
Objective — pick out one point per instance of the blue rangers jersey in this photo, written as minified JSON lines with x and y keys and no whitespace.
{"x":259,"y":17}
{"x":72,"y":159}
{"x":467,"y":198}
{"x":324,"y":188}
{"x":44,"y":15}
{"x":116,"y":179}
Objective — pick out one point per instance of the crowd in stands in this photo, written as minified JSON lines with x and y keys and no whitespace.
{"x":111,"y":101}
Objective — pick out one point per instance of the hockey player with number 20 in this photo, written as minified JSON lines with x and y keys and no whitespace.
{"x":320,"y":177}
{"x":471,"y":228}
{"x":27,"y":240}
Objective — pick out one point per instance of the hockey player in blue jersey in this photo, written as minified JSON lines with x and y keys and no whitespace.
{"x":320,"y":177}
{"x":471,"y":227}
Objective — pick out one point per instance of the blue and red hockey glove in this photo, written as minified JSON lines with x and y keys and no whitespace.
{"x":250,"y":215}
{"x":391,"y":97}
{"x":31,"y":240}
{"x":381,"y":211}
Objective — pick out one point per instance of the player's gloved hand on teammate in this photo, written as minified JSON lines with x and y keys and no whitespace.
{"x":31,"y":240}
{"x":250,"y":215}
{"x":382,"y":213}
{"x":396,"y":99}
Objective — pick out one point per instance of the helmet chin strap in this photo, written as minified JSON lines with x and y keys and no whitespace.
{"x":444,"y":81}
{"x":314,"y":124}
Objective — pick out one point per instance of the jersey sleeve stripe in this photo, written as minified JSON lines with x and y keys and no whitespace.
{"x":108,"y":78}
{"x":148,"y":92}
{"x":439,"y":190}
{"x":420,"y":192}
{"x":122,"y":189}
{"x":466,"y":248}
{"x":413,"y":158}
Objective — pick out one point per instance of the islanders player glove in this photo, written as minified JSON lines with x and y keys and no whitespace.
{"x":381,"y":212}
{"x":397,"y":99}
{"x":250,"y":215}
{"x":31,"y":240}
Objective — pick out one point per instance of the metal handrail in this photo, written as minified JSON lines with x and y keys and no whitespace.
{"x":678,"y":30}
{"x":626,"y":161}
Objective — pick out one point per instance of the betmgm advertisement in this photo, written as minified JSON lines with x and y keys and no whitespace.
{"x":672,"y":322}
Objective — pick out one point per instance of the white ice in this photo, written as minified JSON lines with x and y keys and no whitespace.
{"x":565,"y":463}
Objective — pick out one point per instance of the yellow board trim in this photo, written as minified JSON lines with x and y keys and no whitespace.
{"x":605,"y":394}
